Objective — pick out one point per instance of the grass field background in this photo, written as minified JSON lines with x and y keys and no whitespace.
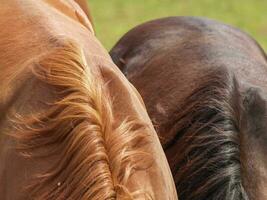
{"x":113,"y":18}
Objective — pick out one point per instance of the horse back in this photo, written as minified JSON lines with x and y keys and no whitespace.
{"x":204,"y":86}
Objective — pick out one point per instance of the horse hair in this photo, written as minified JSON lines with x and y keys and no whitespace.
{"x":96,"y":157}
{"x":207,"y":141}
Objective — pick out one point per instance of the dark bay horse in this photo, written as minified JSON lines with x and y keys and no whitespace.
{"x":71,"y":125}
{"x":204,"y":84}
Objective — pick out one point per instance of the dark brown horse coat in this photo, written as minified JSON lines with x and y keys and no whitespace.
{"x":204,"y":85}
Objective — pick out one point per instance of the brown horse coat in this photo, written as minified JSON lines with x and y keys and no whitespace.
{"x":204,"y":85}
{"x":72,"y":127}
{"x":84,"y":5}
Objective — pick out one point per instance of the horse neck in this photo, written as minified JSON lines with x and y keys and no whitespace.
{"x":127,"y":102}
{"x":253,"y":155}
{"x":254,"y":169}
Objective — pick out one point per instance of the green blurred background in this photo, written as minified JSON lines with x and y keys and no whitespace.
{"x":113,"y":18}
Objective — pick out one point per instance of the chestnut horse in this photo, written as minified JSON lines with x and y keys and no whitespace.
{"x":205,"y":87}
{"x":72,"y":127}
{"x":85,"y":6}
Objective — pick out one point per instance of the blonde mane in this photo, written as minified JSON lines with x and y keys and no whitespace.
{"x":97,"y":158}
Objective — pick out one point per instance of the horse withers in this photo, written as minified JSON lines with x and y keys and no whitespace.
{"x":204,"y":84}
{"x":72,"y":127}
{"x":85,"y":7}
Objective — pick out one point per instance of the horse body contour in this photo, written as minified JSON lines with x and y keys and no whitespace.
{"x":45,"y":29}
{"x":200,"y":79}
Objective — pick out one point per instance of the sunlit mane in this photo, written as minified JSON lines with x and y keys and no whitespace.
{"x":97,"y":159}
